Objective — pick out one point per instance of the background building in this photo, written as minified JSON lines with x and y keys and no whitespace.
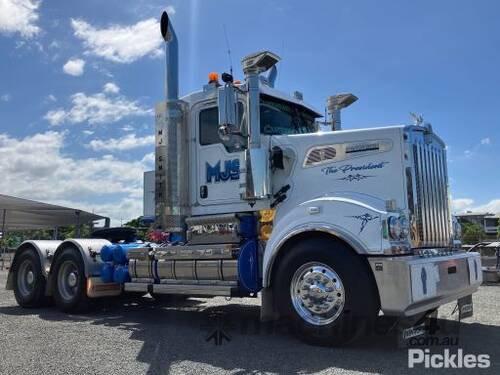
{"x":487,"y":221}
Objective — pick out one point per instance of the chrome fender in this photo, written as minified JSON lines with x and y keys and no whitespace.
{"x":90,"y":250}
{"x":45,"y":250}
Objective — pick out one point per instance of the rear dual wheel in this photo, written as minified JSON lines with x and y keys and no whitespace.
{"x":29,"y":281}
{"x":69,"y":281}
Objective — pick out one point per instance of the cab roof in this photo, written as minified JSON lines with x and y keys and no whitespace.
{"x":209,"y":92}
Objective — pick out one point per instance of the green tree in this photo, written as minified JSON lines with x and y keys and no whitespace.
{"x":142,"y":231}
{"x":14,"y":238}
{"x":472,"y":233}
{"x":70,"y":232}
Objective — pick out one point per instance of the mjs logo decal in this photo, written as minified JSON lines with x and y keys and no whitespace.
{"x":231,"y":171}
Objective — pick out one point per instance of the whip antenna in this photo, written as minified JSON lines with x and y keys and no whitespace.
{"x":228,"y":49}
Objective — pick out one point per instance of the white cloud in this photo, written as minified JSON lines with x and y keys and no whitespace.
{"x":111,"y":88}
{"x":55,"y":117}
{"x":5,"y":97}
{"x":468,"y":154}
{"x":461,"y":204}
{"x":19,"y":16}
{"x":466,"y":204}
{"x":50,"y":98}
{"x":96,"y":109}
{"x":170,"y":10}
{"x":74,"y":67}
{"x":127,"y":142}
{"x":47,"y":174}
{"x":88,"y":132}
{"x":119,"y":43}
{"x":54,"y":45}
{"x":149,"y":159}
{"x":486,"y":141}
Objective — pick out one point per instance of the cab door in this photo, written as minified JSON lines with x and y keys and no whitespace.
{"x":218,"y":168}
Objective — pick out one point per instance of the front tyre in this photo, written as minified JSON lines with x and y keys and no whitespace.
{"x":326,"y":291}
{"x":29,"y":281}
{"x":70,"y":282}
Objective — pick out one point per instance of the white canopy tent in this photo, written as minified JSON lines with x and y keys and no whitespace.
{"x":23,"y":214}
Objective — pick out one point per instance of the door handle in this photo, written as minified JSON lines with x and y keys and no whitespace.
{"x":203,"y":191}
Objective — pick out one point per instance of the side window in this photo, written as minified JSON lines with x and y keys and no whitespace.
{"x":209,"y":126}
{"x":274,"y":121}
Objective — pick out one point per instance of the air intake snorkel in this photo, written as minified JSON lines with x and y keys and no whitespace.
{"x":257,"y":185}
{"x":335,"y":104}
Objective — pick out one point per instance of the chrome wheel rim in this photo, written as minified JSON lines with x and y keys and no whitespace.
{"x":317,"y":293}
{"x":67,"y":280}
{"x":26,"y":278}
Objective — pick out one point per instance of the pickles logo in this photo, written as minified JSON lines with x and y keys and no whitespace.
{"x":231,"y":171}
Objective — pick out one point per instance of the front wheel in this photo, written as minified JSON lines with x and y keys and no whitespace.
{"x":326,"y":291}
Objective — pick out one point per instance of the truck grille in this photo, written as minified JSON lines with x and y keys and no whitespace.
{"x":432,"y":221}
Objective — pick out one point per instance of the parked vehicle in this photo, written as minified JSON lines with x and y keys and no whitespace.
{"x":330,"y":227}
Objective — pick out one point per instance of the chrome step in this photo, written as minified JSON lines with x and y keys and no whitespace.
{"x":136,"y":287}
{"x":194,"y":290}
{"x":186,"y":289}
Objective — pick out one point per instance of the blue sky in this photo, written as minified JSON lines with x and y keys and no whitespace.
{"x":78,"y":81}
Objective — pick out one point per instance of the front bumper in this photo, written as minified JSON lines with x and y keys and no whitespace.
{"x":410,"y":285}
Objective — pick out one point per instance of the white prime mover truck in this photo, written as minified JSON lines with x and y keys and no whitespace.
{"x":330,"y":227}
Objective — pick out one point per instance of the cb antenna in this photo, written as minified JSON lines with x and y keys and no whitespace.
{"x":228,"y":49}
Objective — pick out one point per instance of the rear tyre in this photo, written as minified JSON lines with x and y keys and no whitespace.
{"x":326,"y":292}
{"x":29,"y":281}
{"x":70,"y":282}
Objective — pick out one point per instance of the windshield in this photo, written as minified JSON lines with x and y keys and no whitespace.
{"x":278,"y":117}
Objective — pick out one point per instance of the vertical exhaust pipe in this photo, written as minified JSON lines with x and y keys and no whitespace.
{"x":171,"y":156}
{"x":172,"y":58}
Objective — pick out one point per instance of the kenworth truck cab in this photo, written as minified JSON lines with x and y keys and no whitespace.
{"x":329,"y":227}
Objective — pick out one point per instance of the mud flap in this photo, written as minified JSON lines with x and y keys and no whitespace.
{"x":426,"y":325}
{"x":465,"y":307}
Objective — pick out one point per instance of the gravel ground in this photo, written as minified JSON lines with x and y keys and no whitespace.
{"x":137,"y":336}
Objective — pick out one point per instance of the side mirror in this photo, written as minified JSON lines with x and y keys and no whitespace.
{"x":227,"y":101}
{"x":229,"y":127}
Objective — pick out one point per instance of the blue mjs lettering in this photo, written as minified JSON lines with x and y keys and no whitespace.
{"x":231,"y":171}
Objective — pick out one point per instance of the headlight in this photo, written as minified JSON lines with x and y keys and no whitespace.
{"x":394,"y":227}
{"x":398,"y":227}
{"x":405,"y":227}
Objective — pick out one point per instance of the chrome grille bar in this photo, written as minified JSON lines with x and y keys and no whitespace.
{"x":431,"y":202}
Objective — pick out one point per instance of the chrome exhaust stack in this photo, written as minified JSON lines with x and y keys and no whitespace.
{"x":171,"y":156}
